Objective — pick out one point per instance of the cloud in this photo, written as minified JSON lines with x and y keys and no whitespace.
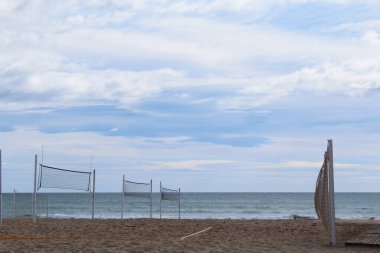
{"x":189,"y":164}
{"x":306,"y":165}
{"x":238,"y":91}
{"x":372,"y":38}
{"x":179,"y":159}
{"x":124,"y":53}
{"x":358,"y":77}
{"x":57,"y":88}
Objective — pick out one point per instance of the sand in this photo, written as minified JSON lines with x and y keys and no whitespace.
{"x":145,"y":235}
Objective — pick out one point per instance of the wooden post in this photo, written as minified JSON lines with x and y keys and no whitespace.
{"x":160,"y":198}
{"x":331,"y":192}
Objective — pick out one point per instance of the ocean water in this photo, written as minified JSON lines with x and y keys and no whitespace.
{"x":193,"y":205}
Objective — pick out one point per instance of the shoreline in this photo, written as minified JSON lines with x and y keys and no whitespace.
{"x":296,"y":217}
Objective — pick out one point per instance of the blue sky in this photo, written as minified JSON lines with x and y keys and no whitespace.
{"x":202,"y":95}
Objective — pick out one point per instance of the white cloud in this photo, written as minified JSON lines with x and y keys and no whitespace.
{"x":216,"y":52}
{"x":306,"y":165}
{"x":59,"y":88}
{"x":372,"y":38}
{"x":80,"y":53}
{"x":168,"y":158}
{"x":352,"y":78}
{"x":189,"y":164}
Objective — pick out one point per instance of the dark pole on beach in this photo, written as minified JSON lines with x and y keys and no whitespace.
{"x":160,"y":198}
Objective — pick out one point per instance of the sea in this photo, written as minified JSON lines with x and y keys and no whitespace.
{"x":192,"y":206}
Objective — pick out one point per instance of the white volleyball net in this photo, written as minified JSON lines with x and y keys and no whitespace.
{"x":50,"y":177}
{"x":168,"y":194}
{"x":57,"y":178}
{"x":324,"y":201}
{"x":135,"y":189}
{"x":171,"y":195}
{"x":322,"y":194}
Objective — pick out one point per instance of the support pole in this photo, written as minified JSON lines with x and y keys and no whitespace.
{"x":151,"y":198}
{"x":42,"y":154}
{"x":14,"y":203}
{"x":1,"y":193}
{"x":331,"y":192}
{"x":122,"y":198}
{"x":160,"y":198}
{"x":93,"y":195}
{"x":34,"y":198}
{"x":47,"y":206}
{"x":179,"y":203}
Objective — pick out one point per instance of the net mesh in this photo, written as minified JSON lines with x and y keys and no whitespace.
{"x":50,"y":177}
{"x":168,"y":194}
{"x":137,"y":189}
{"x":321,"y":197}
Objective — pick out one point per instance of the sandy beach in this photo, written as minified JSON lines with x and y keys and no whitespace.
{"x":145,"y":235}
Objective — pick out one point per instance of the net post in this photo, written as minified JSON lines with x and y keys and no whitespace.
{"x":1,"y":193}
{"x":47,"y":206}
{"x":93,"y":195}
{"x":160,"y":198}
{"x":14,"y":202}
{"x":122,"y":199}
{"x":34,"y":197}
{"x":331,"y":192}
{"x":42,"y":154}
{"x":151,"y":188}
{"x":179,"y":203}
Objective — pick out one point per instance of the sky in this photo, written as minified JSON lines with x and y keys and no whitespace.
{"x":232,"y":96}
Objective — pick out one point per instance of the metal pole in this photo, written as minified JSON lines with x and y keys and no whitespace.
{"x":331,"y":193}
{"x":122,"y":199}
{"x":14,"y":203}
{"x":34,"y":198}
{"x":179,"y":203}
{"x":42,"y":154}
{"x":93,"y":195}
{"x":47,"y":207}
{"x":160,"y":198}
{"x":1,"y":193}
{"x":151,"y":198}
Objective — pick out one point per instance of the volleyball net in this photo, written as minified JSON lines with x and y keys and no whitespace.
{"x":58,"y":178}
{"x":136,"y":189}
{"x":170,"y":195}
{"x":324,"y":201}
{"x":50,"y":177}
